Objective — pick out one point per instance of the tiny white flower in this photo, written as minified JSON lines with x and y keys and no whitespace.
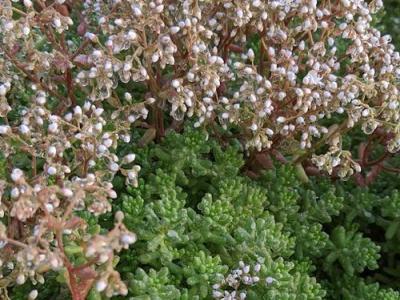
{"x":33,"y":295}
{"x":128,"y":238}
{"x":174,"y":29}
{"x":57,"y":22}
{"x":24,"y":129}
{"x":52,"y":151}
{"x":77,"y":110}
{"x":346,"y":3}
{"x":53,"y":127}
{"x":101,"y":285}
{"x":175,"y":83}
{"x":68,"y":117}
{"x":155,"y":57}
{"x":365,"y":113}
{"x":131,"y":35}
{"x":28,"y":3}
{"x":112,"y":194}
{"x":15,"y":193}
{"x":129,"y":158}
{"x":269,"y":280}
{"x":3,"y":90}
{"x":281,"y":119}
{"x":67,"y":192}
{"x":20,"y":279}
{"x":98,"y":127}
{"x":4,"y":129}
{"x":108,"y":143}
{"x":119,"y":22}
{"x":250,"y":54}
{"x":51,"y":170}
{"x":49,"y":207}
{"x":17,"y":174}
{"x":114,"y":167}
{"x":253,"y":127}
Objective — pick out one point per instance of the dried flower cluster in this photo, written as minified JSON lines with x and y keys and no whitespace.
{"x":316,"y":60}
{"x":62,"y":62}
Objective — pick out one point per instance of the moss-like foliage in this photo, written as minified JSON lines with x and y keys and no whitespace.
{"x":196,"y":217}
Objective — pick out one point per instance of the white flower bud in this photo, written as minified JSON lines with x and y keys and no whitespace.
{"x":250,"y":54}
{"x":67,"y":192}
{"x":132,"y":175}
{"x":174,"y":29}
{"x":119,"y":22}
{"x":129,"y":158}
{"x":28,"y":3}
{"x":3,"y":90}
{"x":77,"y":110}
{"x":281,"y":119}
{"x":112,"y":194}
{"x":57,"y":22}
{"x":365,"y":113}
{"x":101,"y":148}
{"x":98,"y":127}
{"x":108,"y":143}
{"x":101,"y":285}
{"x":114,"y":167}
{"x":51,"y":170}
{"x":15,"y":193}
{"x":246,"y":269}
{"x":53,"y":127}
{"x":4,"y":129}
{"x":253,"y":127}
{"x":68,"y":117}
{"x":34,"y":293}
{"x":24,"y":129}
{"x":20,"y":279}
{"x":17,"y":174}
{"x":41,"y":100}
{"x":346,"y":3}
{"x":175,"y":83}
{"x":52,"y":151}
{"x":137,"y":11}
{"x":155,"y":57}
{"x":128,"y":238}
{"x":131,"y":35}
{"x":269,"y":280}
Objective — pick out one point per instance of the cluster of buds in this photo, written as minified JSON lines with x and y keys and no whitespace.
{"x":39,"y":247}
{"x":281,"y":92}
{"x":233,"y":286}
{"x":63,"y":64}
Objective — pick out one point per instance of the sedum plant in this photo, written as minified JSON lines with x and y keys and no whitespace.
{"x":207,"y":232}
{"x":79,"y":78}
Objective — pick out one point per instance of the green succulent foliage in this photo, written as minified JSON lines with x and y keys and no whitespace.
{"x":354,"y":288}
{"x":352,"y":251}
{"x":287,"y":283}
{"x":152,"y":285}
{"x":202,"y":270}
{"x":197,"y":217}
{"x":390,"y":215}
